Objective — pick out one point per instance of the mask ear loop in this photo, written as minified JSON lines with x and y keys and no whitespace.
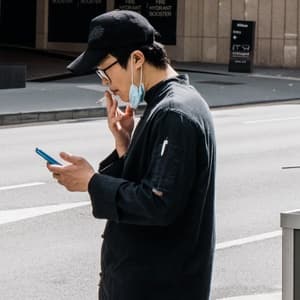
{"x":131,"y":67}
{"x":141,"y":81}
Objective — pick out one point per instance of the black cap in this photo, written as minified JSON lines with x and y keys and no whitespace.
{"x":113,"y":30}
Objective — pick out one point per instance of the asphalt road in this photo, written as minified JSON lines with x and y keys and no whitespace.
{"x":252,"y":189}
{"x":53,"y":253}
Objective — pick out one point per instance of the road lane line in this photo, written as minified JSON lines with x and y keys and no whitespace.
{"x":248,"y":240}
{"x":271,"y":120}
{"x":7,"y":216}
{"x":14,"y":215}
{"x":19,"y":186}
{"x":272,"y":296}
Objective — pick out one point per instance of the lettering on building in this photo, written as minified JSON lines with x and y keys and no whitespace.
{"x":160,"y":10}
{"x":62,"y":2}
{"x":135,"y":5}
{"x":137,"y":8}
{"x":90,"y":1}
{"x":242,"y":25}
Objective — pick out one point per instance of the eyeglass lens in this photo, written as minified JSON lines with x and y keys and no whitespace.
{"x":102,"y":74}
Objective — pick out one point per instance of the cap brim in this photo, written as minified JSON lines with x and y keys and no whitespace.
{"x":87,"y":61}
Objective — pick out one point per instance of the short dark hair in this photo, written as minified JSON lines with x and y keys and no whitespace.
{"x":155,"y":54}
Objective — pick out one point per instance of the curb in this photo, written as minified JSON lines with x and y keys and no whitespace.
{"x":192,"y":70}
{"x":98,"y":112}
{"x":47,"y":116}
{"x":56,"y":115}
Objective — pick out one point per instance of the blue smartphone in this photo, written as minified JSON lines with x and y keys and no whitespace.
{"x":47,"y":157}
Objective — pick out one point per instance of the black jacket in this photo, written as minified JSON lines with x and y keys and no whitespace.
{"x":160,"y":247}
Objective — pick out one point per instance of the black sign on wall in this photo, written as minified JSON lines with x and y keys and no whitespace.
{"x":162,"y":14}
{"x":69,"y":20}
{"x":242,"y":46}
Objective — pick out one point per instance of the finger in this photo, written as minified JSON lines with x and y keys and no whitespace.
{"x":112,"y":112}
{"x":109,"y":99}
{"x":111,"y":103}
{"x":55,"y":175}
{"x":60,"y":182}
{"x":119,"y":113}
{"x":129,"y":111}
{"x":114,"y":107}
{"x":54,"y":168}
{"x":70,"y":157}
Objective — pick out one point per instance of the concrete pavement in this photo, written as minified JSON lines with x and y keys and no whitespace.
{"x":52,"y":94}
{"x":273,"y":296}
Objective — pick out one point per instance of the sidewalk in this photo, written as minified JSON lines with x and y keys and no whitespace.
{"x":52,"y":93}
{"x":40,"y":64}
{"x":272,"y":296}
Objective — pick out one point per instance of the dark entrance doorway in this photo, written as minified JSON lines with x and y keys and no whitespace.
{"x":18,"y":22}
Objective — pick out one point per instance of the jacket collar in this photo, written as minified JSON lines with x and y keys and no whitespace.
{"x":152,"y":95}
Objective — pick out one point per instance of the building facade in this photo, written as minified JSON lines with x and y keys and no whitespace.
{"x":193,"y":30}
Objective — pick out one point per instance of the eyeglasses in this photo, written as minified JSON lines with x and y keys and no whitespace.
{"x":101,"y":72}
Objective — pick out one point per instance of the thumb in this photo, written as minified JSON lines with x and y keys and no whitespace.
{"x":129,"y":111}
{"x":70,"y":158}
{"x":109,"y":99}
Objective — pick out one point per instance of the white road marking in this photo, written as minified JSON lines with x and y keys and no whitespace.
{"x":271,"y":120}
{"x":14,"y":215}
{"x":7,"y":216}
{"x":18,"y":186}
{"x":251,"y":239}
{"x":273,"y":296}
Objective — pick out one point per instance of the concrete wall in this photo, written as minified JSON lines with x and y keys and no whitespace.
{"x":203,"y":30}
{"x":207,"y":26}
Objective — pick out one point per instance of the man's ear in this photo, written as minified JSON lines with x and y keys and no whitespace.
{"x":138,"y":58}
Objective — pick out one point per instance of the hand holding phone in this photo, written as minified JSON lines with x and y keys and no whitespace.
{"x":47,"y":157}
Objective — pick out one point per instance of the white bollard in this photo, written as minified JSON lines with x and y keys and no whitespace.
{"x":290,"y":224}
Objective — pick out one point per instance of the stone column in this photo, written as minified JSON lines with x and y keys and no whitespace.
{"x":291,"y":34}
{"x":110,"y":5}
{"x":42,"y":24}
{"x":277,"y":42}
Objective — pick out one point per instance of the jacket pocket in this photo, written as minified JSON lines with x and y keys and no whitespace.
{"x":165,"y":166}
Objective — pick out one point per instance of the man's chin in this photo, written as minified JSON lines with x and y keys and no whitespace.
{"x":120,"y":99}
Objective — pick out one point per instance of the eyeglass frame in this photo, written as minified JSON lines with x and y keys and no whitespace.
{"x":101,"y":72}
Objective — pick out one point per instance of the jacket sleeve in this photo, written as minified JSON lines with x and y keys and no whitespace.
{"x":112,"y":165}
{"x":163,"y":193}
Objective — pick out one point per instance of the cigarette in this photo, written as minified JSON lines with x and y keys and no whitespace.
{"x":99,"y":101}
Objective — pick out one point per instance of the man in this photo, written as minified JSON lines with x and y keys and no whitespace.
{"x":156,"y":189}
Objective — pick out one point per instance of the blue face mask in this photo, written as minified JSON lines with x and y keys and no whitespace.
{"x":136,"y":93}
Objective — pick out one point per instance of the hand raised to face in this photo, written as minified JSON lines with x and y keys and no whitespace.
{"x":120,"y":123}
